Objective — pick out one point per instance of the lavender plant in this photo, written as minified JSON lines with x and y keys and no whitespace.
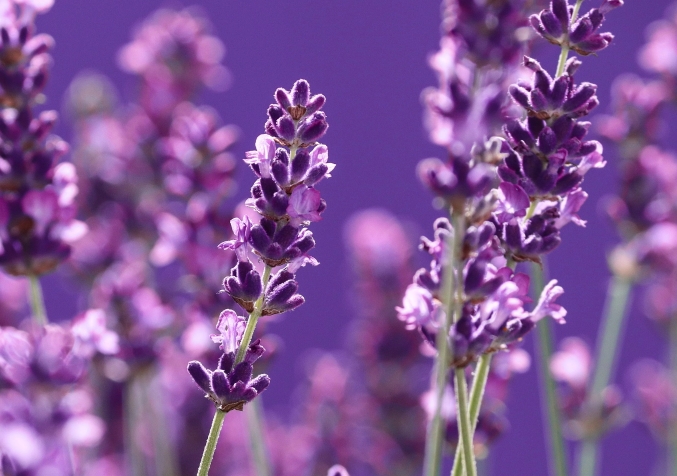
{"x":644,"y":213}
{"x":288,"y":163}
{"x":37,"y":201}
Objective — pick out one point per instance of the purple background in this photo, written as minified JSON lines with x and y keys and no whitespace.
{"x":369,"y":59}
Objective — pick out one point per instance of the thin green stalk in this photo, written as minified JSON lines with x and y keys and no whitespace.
{"x":544,"y":348}
{"x":217,"y":423}
{"x":434,"y":436}
{"x":433,"y":445}
{"x":254,"y":414}
{"x":609,"y":337}
{"x":37,"y":301}
{"x":672,"y":446}
{"x":476,"y":393}
{"x":564,"y":54}
{"x":212,"y":439}
{"x":464,"y":425}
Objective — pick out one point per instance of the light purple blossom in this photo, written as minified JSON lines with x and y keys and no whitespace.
{"x":304,"y":205}
{"x":230,"y":327}
{"x":91,"y":334}
{"x":546,"y":305}
{"x":263,"y":155}
{"x":241,"y":231}
{"x":419,"y":308}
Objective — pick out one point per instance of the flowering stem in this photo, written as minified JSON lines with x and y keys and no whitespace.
{"x":464,"y":424}
{"x":564,"y":55}
{"x":37,"y":301}
{"x":609,"y":337}
{"x":253,"y":412}
{"x":210,"y":447}
{"x":544,"y":347}
{"x":253,"y":319}
{"x":672,"y":437}
{"x":476,"y":393}
{"x":217,"y":423}
{"x":434,"y":437}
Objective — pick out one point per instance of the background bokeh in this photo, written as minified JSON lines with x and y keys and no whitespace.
{"x":369,"y":59}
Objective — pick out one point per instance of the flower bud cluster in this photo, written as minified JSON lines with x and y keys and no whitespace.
{"x":231,"y":385}
{"x":581,"y":35}
{"x":37,"y":197}
{"x":494,"y":296}
{"x":46,"y":406}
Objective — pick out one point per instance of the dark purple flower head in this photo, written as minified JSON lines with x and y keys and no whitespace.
{"x":277,"y":243}
{"x":529,"y":239}
{"x":244,"y":284}
{"x":296,"y":119}
{"x":230,"y":386}
{"x":489,"y":31}
{"x":281,"y":293}
{"x":554,"y":24}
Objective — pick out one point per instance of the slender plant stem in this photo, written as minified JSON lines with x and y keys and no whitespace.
{"x":212,"y":439}
{"x":37,"y":301}
{"x":544,"y":347}
{"x":564,"y":54}
{"x":464,"y":424}
{"x":672,"y":446}
{"x":217,"y":423}
{"x":607,"y":345}
{"x":476,"y":393}
{"x":434,"y":436}
{"x":254,"y":414}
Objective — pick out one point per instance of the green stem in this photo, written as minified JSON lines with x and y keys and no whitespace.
{"x":610,"y":332}
{"x":464,"y":425}
{"x":476,"y":393}
{"x":253,"y":319}
{"x":672,"y":447}
{"x":607,"y":347}
{"x":37,"y":301}
{"x":434,"y":436}
{"x":544,"y":348}
{"x":564,"y":54}
{"x":212,"y":439}
{"x":254,"y":414}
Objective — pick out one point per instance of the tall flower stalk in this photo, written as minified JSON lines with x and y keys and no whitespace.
{"x":288,"y":163}
{"x":37,"y":195}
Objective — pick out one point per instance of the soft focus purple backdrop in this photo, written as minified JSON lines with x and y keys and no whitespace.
{"x":369,"y":59}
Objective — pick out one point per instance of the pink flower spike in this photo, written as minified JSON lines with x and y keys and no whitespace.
{"x":304,"y":205}
{"x":230,"y":327}
{"x":263,"y":155}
